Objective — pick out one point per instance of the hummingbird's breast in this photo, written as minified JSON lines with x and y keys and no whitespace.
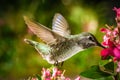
{"x":64,"y":50}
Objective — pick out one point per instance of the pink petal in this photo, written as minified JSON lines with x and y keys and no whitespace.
{"x":118,"y":64}
{"x":47,"y":79}
{"x":117,"y":11}
{"x":110,"y":43}
{"x":106,"y":38}
{"x":114,"y":8}
{"x":54,"y":72}
{"x":59,"y":73}
{"x":62,"y":77}
{"x":34,"y":79}
{"x":103,"y":30}
{"x":118,"y":46}
{"x":118,"y":70}
{"x":116,"y":53}
{"x":115,"y":32}
{"x":78,"y":78}
{"x":114,"y":59}
{"x":104,"y":44}
{"x":67,"y":79}
{"x":108,"y":33}
{"x":105,"y":53}
{"x":45,"y":73}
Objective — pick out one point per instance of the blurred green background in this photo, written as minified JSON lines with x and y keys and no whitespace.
{"x":18,"y":60}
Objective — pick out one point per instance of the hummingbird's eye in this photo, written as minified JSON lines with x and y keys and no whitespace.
{"x":90,"y":38}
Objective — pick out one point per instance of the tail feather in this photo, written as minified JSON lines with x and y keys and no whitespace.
{"x":31,"y":42}
{"x":42,"y":48}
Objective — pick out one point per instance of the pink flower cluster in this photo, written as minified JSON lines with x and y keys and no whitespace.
{"x":54,"y":74}
{"x":111,"y":39}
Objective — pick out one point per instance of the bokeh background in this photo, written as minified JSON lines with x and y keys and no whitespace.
{"x":18,"y":60}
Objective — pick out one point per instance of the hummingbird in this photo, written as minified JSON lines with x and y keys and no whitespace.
{"x":58,"y":44}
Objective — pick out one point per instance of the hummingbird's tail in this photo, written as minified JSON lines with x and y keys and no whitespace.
{"x":42,"y":48}
{"x":31,"y":42}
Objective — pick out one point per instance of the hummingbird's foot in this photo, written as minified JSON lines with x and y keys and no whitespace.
{"x":62,"y":63}
{"x":56,"y":63}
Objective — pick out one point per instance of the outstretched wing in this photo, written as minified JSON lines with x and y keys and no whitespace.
{"x":43,"y":32}
{"x":60,"y":25}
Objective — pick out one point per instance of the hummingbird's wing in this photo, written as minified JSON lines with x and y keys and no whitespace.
{"x":43,"y":32}
{"x":60,"y":25}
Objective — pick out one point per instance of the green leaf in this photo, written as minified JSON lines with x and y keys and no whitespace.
{"x":105,"y":78}
{"x":107,"y":65}
{"x":94,"y":73}
{"x":103,"y":62}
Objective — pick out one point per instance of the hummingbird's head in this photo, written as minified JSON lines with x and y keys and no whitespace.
{"x":87,"y":40}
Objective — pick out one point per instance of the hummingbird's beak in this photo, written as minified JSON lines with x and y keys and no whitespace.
{"x":100,"y":45}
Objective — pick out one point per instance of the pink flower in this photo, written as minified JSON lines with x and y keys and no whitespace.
{"x":111,"y":41}
{"x":108,"y":52}
{"x":118,"y":46}
{"x":112,"y":51}
{"x":117,"y":16}
{"x":117,"y":11}
{"x":105,"y":53}
{"x":56,"y":72}
{"x":115,"y":32}
{"x":78,"y":78}
{"x":116,"y":53}
{"x":62,"y":77}
{"x":34,"y":79}
{"x":67,"y":79}
{"x":108,"y":43}
{"x":110,"y":35}
{"x":47,"y":79}
{"x":46,"y":74}
{"x":104,"y":30}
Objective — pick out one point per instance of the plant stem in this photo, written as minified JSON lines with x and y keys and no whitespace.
{"x":117,"y":77}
